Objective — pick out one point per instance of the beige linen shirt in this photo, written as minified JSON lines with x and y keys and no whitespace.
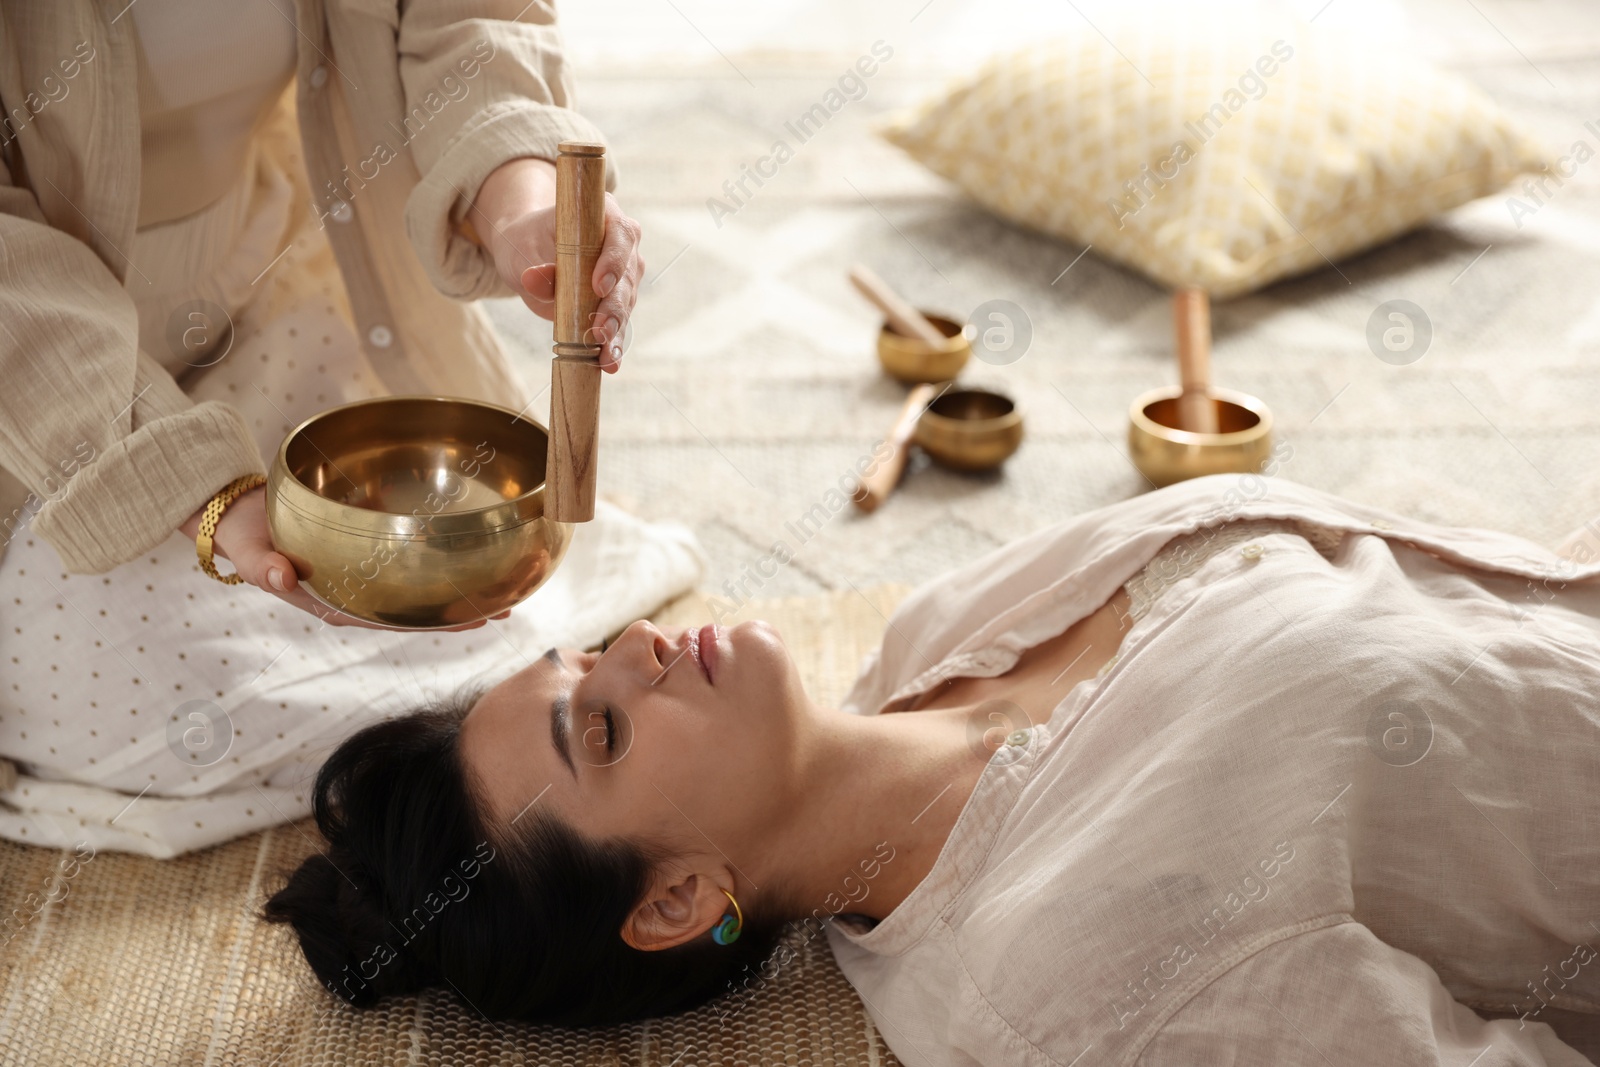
{"x":1318,"y":810}
{"x":403,"y":108}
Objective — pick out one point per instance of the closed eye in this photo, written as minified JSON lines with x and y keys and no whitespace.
{"x":611,"y":724}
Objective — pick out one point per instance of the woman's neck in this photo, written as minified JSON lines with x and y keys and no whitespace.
{"x":881,"y":795}
{"x":893,"y":785}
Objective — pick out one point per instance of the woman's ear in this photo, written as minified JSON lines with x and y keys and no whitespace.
{"x":678,"y":908}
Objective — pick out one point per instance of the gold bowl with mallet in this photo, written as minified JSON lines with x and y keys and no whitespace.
{"x":426,"y":512}
{"x":416,"y":512}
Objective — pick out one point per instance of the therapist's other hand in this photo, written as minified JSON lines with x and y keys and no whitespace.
{"x":244,"y":539}
{"x":514,"y":218}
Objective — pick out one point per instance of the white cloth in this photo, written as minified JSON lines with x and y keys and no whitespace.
{"x":1320,"y":809}
{"x":243,"y":302}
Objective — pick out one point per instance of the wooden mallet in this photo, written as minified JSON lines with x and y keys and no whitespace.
{"x":575,"y":372}
{"x":1191,"y":319}
{"x":875,"y":487}
{"x":906,"y":320}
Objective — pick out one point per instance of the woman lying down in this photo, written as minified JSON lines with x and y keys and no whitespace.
{"x":1189,"y":778}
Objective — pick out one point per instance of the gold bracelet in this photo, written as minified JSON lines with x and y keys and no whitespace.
{"x":208,"y":524}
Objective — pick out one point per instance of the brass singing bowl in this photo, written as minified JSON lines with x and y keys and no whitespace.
{"x":913,"y":361}
{"x":1166,"y":455}
{"x":416,"y":512}
{"x":970,"y":429}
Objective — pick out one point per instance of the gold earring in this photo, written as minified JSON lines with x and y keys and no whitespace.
{"x":727,"y":931}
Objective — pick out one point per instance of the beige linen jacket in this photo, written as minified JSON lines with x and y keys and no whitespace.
{"x":404,"y":109}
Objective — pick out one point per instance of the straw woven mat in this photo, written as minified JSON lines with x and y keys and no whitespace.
{"x":142,"y":961}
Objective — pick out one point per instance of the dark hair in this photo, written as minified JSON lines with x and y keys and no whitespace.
{"x":414,"y":892}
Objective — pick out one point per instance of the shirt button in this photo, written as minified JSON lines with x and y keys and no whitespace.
{"x":1382,"y":525}
{"x":341,"y":211}
{"x":1251,"y":551}
{"x":380,"y":336}
{"x":1018,"y":737}
{"x":319,"y":77}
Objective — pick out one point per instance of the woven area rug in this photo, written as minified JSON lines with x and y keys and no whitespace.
{"x":750,"y":383}
{"x":117,"y":959}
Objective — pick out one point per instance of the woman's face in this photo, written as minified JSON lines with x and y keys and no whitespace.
{"x":697,"y":748}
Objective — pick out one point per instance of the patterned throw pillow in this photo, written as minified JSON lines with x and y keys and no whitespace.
{"x":1207,"y":152}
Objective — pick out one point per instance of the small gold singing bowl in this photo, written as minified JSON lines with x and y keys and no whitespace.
{"x":970,"y":429}
{"x":416,"y":512}
{"x":1166,"y":455}
{"x":913,"y":361}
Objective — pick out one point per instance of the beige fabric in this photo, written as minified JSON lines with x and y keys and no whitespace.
{"x":1183,"y":556}
{"x":430,"y":102}
{"x":1224,"y":147}
{"x":125,"y":960}
{"x":1318,"y":805}
{"x":209,"y":261}
{"x":208,"y":77}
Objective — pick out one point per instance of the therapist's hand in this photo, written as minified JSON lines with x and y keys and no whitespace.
{"x":514,"y":218}
{"x":244,"y":539}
